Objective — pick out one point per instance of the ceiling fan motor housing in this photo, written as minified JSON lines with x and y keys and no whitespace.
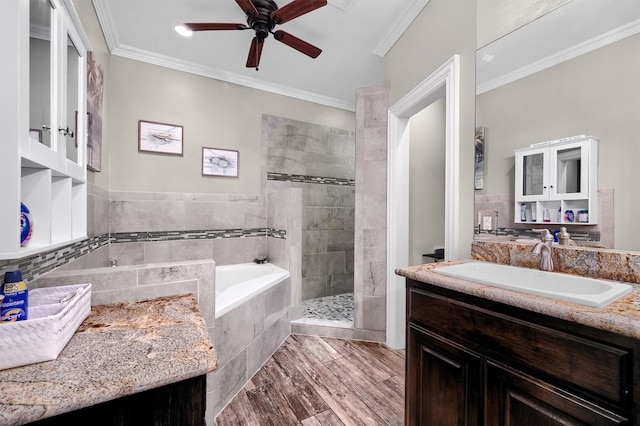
{"x":262,"y":23}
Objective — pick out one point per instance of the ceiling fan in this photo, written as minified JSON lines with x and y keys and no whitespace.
{"x":262,"y":17}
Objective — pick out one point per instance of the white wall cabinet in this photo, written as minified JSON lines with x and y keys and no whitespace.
{"x":42,"y":116}
{"x":557,"y":183}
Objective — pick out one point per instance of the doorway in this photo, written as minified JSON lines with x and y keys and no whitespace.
{"x":444,"y":82}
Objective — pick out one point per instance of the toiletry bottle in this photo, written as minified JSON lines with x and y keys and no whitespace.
{"x":15,"y":302}
{"x":545,"y":216}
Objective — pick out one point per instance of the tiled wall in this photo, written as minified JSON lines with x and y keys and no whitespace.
{"x":371,"y":209}
{"x":603,"y":232}
{"x":249,"y":334}
{"x":284,"y":211}
{"x":320,"y":162}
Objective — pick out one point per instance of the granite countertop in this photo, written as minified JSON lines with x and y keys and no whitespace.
{"x":621,"y":316}
{"x":120,"y":349}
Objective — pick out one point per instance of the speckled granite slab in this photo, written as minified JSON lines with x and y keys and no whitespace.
{"x":620,"y":317}
{"x":120,"y":349}
{"x":585,"y":261}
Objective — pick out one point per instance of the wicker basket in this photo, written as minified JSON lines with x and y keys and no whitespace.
{"x":55,"y":313}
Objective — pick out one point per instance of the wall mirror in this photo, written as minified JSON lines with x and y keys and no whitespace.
{"x":572,"y":71}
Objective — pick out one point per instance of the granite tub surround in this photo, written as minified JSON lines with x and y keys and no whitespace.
{"x":621,"y":316}
{"x":119,"y":350}
{"x":589,"y":262}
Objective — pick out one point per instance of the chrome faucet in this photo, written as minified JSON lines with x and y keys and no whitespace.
{"x":544,"y":249}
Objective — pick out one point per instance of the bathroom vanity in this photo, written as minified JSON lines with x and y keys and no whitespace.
{"x":481,"y":355}
{"x":128,"y":363}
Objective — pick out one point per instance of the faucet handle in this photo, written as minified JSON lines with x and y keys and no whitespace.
{"x":564,"y":238}
{"x":546,"y":235}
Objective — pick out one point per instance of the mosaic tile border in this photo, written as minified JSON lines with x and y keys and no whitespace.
{"x":34,"y":266}
{"x":132,"y":237}
{"x":592,"y":236}
{"x":284,"y":177}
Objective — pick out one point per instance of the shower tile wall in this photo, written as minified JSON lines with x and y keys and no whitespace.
{"x":370,"y":292}
{"x":320,"y":161}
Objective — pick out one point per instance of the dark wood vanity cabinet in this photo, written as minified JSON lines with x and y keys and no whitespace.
{"x":471,"y":361}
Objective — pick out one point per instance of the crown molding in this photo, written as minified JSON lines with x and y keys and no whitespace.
{"x":189,"y":67}
{"x":573,"y":52}
{"x":398,"y":28}
{"x":107,"y":25}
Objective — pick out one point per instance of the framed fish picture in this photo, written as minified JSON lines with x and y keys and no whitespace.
{"x":220,"y":162}
{"x":160,"y":138}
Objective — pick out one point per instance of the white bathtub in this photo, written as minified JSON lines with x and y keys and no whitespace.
{"x":235,"y":284}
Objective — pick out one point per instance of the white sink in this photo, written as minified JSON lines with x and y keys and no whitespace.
{"x":569,"y":288}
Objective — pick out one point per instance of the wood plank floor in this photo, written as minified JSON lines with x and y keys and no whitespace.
{"x":313,"y":380}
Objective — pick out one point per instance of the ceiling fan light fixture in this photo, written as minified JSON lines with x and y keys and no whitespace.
{"x":183,"y":31}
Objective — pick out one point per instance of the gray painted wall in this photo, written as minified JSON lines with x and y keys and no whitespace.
{"x":426,"y":182}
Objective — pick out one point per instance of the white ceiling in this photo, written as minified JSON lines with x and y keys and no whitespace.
{"x":353,"y":34}
{"x":578,"y":27}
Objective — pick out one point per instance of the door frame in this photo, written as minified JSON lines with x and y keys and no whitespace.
{"x":445,"y":81}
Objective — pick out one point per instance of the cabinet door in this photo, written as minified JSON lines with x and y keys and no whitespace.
{"x":515,"y":399}
{"x":569,"y":174}
{"x":532,"y":176}
{"x":443,"y":381}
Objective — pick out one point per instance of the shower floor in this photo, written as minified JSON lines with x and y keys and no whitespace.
{"x":332,"y":308}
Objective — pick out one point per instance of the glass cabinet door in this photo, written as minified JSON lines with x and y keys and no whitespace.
{"x":532,"y":177}
{"x":70,"y":124}
{"x":533,"y":174}
{"x":570,"y":170}
{"x":40,"y":119}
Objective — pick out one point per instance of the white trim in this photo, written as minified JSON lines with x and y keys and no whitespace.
{"x":557,"y":58}
{"x":445,"y":81}
{"x":136,"y":54}
{"x":396,"y":30}
{"x":106,"y":24}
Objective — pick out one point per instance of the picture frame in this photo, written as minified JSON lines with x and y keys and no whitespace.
{"x":160,"y":138}
{"x":220,"y":162}
{"x":479,"y":158}
{"x":95,"y":92}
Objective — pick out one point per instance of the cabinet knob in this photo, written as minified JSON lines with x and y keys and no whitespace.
{"x":65,"y":131}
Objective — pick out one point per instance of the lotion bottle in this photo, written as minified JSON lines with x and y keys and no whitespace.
{"x":15,"y":298}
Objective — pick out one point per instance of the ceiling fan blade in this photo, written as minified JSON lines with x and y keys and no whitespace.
{"x":248,"y":7}
{"x":213,"y":26}
{"x":294,"y":9}
{"x":296,"y":43}
{"x":253,"y":60}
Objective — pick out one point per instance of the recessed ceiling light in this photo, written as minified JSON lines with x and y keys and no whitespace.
{"x":342,"y":4}
{"x":183,"y":31}
{"x":488,"y":57}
